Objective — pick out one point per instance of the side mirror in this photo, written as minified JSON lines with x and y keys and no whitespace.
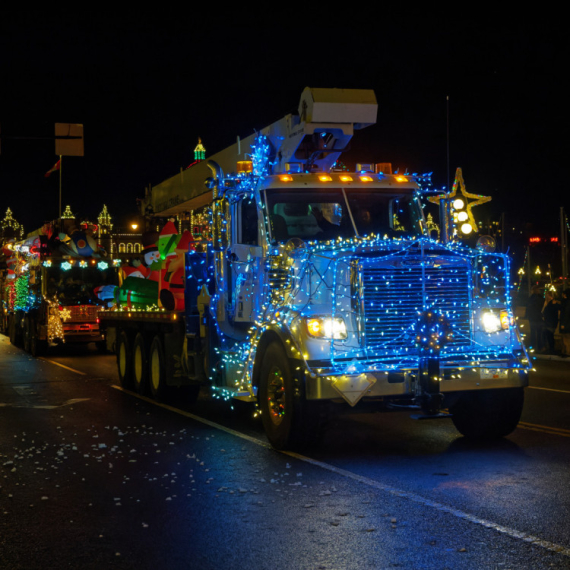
{"x":486,"y":244}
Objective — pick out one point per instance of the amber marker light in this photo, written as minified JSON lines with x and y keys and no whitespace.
{"x":286,"y":178}
{"x":366,"y":178}
{"x":401,"y":179}
{"x":244,"y":166}
{"x":314,"y":326}
{"x":325,"y":178}
{"x":345,"y":178}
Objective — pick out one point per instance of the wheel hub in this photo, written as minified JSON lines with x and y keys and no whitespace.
{"x":276,"y":395}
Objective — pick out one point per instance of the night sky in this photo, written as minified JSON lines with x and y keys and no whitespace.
{"x":145,"y":87}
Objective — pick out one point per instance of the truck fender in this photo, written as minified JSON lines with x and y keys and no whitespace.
{"x":271,"y":334}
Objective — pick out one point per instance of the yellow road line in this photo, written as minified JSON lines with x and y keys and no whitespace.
{"x":548,"y":389}
{"x":63,"y":366}
{"x":545,"y":429}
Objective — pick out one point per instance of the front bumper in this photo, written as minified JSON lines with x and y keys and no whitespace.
{"x":404,"y":383}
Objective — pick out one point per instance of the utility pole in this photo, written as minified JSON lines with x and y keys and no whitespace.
{"x":564,"y":248}
{"x":528,"y":267}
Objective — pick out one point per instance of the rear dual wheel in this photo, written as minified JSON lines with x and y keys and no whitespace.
{"x":143,"y":368}
{"x":132,"y":361}
{"x":140,"y":364}
{"x":124,"y":360}
{"x":156,"y":369}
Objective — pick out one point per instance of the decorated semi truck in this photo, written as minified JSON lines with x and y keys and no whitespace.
{"x":48,"y":285}
{"x":322,"y":287}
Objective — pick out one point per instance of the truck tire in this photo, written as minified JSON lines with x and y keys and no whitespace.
{"x":140,"y":364}
{"x":156,"y":369}
{"x":27,"y":334}
{"x":281,"y":408}
{"x":488,"y":414}
{"x":15,"y":333}
{"x":38,"y":347}
{"x":124,"y":360}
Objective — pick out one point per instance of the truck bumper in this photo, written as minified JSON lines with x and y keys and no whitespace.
{"x":404,"y":383}
{"x":82,"y":333}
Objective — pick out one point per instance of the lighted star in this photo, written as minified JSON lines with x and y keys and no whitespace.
{"x":476,"y":199}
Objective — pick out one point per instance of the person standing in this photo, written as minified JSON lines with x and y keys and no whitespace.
{"x":533,"y":314}
{"x":565,"y":323}
{"x":550,"y":312}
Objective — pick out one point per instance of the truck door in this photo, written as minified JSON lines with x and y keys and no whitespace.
{"x":244,"y":257}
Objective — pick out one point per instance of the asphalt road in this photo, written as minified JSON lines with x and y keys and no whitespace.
{"x":95,"y":477}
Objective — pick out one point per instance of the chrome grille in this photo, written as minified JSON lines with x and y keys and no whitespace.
{"x":393,"y":297}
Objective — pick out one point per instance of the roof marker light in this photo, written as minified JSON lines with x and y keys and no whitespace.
{"x":401,"y":178}
{"x":245,"y":166}
{"x":286,"y":178}
{"x":366,"y":178}
{"x":325,"y":178}
{"x":345,"y":178}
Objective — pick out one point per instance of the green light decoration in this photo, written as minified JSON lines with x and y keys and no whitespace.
{"x":22,"y":300}
{"x":199,"y":151}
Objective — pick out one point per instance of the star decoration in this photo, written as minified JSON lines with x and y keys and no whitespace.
{"x":476,"y":199}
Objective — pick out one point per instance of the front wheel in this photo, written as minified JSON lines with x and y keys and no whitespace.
{"x":279,"y":399}
{"x":488,"y":414}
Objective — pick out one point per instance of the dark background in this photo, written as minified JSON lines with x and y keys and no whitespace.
{"x":147,"y":85}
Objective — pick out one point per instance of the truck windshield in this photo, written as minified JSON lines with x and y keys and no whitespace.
{"x":312,"y":214}
{"x":76,"y":285}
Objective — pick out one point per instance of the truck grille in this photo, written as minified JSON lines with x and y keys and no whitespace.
{"x":393,"y":297}
{"x":82,"y":313}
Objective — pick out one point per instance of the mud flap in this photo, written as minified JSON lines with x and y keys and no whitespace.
{"x":433,"y":333}
{"x":431,"y":397}
{"x":174,"y":360}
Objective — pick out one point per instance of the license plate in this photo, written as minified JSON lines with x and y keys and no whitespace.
{"x":494,"y":373}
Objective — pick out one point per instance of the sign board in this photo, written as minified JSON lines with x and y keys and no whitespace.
{"x":68,"y":139}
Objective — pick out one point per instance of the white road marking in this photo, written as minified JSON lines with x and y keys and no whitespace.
{"x":45,"y":406}
{"x":513,"y":533}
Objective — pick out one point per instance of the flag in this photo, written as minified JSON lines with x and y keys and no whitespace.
{"x":55,"y":167}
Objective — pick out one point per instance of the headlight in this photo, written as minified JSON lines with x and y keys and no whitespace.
{"x":326,"y":327}
{"x":494,"y":320}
